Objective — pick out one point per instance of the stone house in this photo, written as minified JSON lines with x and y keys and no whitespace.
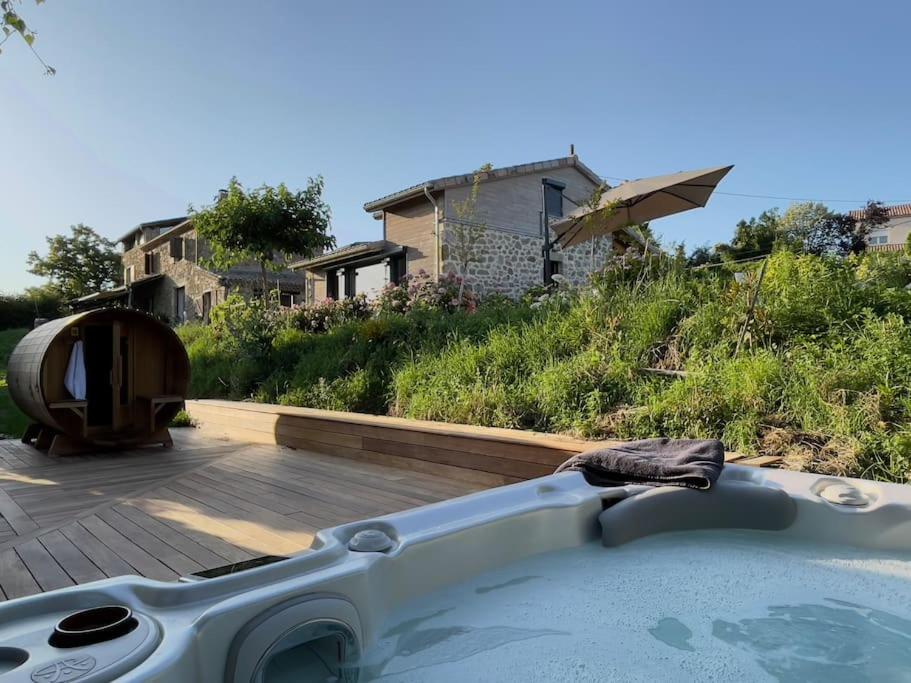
{"x":420,"y":223}
{"x":894,"y":233}
{"x":163,"y":273}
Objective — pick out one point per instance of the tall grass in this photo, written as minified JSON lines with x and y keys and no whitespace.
{"x":820,"y":373}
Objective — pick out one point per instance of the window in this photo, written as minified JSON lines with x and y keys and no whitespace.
{"x":152,"y":263}
{"x":878,"y":239}
{"x":350,"y":283}
{"x":396,"y":269}
{"x":288,"y":299}
{"x":332,"y":284}
{"x":180,"y":305}
{"x":206,"y":305}
{"x":553,"y":198}
{"x":177,"y":248}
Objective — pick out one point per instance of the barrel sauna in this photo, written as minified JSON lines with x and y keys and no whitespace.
{"x":136,"y":374}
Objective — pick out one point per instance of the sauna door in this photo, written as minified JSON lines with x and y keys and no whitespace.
{"x":99,"y":374}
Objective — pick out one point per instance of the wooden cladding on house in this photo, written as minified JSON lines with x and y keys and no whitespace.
{"x":479,"y":455}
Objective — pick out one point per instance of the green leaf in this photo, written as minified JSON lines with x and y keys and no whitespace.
{"x":29,"y":37}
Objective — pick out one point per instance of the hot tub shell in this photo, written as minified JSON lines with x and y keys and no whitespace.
{"x":223,"y":629}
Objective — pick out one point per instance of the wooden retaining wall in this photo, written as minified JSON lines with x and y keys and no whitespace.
{"x":483,"y":455}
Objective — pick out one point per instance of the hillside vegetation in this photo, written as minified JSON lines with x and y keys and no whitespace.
{"x":12,"y":421}
{"x":822,"y":375}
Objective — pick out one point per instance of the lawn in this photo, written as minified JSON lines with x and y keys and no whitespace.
{"x":12,"y":421}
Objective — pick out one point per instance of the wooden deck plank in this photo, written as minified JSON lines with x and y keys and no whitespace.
{"x":128,"y":551}
{"x":195,"y":551}
{"x":236,"y":528}
{"x":15,"y":578}
{"x":79,"y":568}
{"x":213,"y":542}
{"x":100,"y":555}
{"x":164,"y":553}
{"x":14,"y":515}
{"x":43,"y":567}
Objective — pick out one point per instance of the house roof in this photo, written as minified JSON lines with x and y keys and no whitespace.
{"x":163,"y":223}
{"x":118,"y":292}
{"x":494,"y":174}
{"x":355,"y":249}
{"x":895,"y":211}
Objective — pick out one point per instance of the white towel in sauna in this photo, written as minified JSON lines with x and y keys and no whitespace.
{"x":75,"y":373}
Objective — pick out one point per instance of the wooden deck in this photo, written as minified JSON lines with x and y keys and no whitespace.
{"x":167,"y":513}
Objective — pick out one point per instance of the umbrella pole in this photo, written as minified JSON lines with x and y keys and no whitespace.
{"x":545,"y":231}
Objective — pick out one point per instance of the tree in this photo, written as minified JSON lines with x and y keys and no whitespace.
{"x":466,"y":232}
{"x":12,"y":24}
{"x":755,"y":237}
{"x":77,"y":265}
{"x":264,"y":224}
{"x":814,"y":229}
{"x":875,"y":215}
{"x":702,"y":256}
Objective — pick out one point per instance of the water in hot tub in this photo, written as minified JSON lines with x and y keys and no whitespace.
{"x":685,"y":606}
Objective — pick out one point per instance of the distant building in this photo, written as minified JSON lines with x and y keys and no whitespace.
{"x":163,"y":275}
{"x":893,"y":235}
{"x":418,"y":224}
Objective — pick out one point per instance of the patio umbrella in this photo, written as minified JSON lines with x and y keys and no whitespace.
{"x":637,"y":202}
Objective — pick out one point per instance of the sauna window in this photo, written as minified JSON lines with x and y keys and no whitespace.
{"x":177,"y":248}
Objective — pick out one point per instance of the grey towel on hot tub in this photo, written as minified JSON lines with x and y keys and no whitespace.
{"x":694,"y":464}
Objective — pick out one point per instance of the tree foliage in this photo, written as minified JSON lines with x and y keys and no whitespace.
{"x":78,"y":264}
{"x":814,"y":229}
{"x":466,"y":231}
{"x":12,"y":24}
{"x":754,"y":237}
{"x":266,"y":225}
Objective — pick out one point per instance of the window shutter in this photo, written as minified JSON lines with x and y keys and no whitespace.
{"x":177,"y":248}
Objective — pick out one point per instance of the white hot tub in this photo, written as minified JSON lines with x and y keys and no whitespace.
{"x":771,"y":576}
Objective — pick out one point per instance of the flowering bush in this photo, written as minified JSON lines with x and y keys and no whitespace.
{"x":394,"y":298}
{"x":422,"y":291}
{"x":328,"y":313}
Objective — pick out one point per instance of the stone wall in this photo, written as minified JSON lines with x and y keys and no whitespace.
{"x":183,"y":272}
{"x":511,"y":263}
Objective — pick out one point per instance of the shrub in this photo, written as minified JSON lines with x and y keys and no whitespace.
{"x":422,"y":291}
{"x":328,"y":313}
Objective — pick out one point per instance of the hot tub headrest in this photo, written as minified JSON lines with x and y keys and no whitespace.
{"x":729,"y":505}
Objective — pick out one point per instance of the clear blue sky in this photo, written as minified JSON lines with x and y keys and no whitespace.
{"x":157,"y":103}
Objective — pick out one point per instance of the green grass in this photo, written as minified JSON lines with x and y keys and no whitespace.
{"x":822,"y":375}
{"x":12,"y":421}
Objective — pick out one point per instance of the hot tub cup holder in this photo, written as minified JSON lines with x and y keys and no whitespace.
{"x":92,"y":626}
{"x":11,"y":658}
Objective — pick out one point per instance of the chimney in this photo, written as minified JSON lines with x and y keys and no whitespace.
{"x":572,"y":150}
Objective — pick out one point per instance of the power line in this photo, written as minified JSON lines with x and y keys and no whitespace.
{"x":781,"y":198}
